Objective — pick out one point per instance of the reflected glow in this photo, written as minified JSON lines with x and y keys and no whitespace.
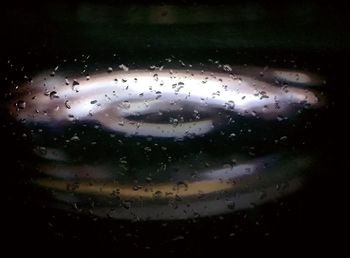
{"x":126,"y":101}
{"x":242,"y":184}
{"x":296,"y":77}
{"x":83,"y":132}
{"x":210,"y":182}
{"x":166,"y":191}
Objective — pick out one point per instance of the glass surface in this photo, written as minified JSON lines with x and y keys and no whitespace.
{"x":171,"y":128}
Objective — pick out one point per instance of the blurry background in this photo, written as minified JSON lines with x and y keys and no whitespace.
{"x":307,"y":35}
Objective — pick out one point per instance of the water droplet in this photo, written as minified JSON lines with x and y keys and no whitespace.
{"x":280,"y":118}
{"x":233,"y":162}
{"x":231,"y":205}
{"x":21,"y":104}
{"x":109,"y":69}
{"x":75,"y":138}
{"x":262,"y":195}
{"x":182,"y":63}
{"x":124,"y":67}
{"x":136,"y":187}
{"x":178,"y":238}
{"x":53,"y":95}
{"x":126,"y":204}
{"x":125,"y":104}
{"x":181,"y":184}
{"x":227,"y":68}
{"x":157,"y":195}
{"x":147,"y":149}
{"x":283,"y":138}
{"x":75,"y":82}
{"x":232,"y":135}
{"x":67,"y":104}
{"x":71,"y":187}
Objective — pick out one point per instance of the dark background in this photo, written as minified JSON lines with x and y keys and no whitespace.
{"x":315,"y":35}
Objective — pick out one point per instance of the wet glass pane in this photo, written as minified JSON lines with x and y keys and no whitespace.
{"x":171,"y":128}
